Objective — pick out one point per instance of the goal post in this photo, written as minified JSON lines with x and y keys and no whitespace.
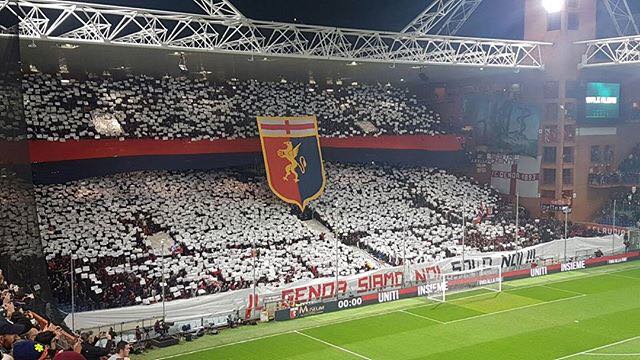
{"x":485,"y":278}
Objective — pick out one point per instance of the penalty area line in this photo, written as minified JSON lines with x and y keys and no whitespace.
{"x":332,"y":345}
{"x":586,"y":352}
{"x":592,"y":354}
{"x":515,"y":309}
{"x":421,"y":316}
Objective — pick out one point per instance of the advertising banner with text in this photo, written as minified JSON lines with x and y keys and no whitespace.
{"x":380,"y":285}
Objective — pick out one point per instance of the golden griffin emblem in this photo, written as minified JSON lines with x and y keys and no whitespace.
{"x":290,"y":153}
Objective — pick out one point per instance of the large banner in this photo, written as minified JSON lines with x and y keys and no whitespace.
{"x":521,"y":176}
{"x":292,"y":158}
{"x":378,"y":285}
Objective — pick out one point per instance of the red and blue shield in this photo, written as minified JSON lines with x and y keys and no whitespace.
{"x":292,"y":158}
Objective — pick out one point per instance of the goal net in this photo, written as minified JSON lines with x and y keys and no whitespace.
{"x":481,"y":279}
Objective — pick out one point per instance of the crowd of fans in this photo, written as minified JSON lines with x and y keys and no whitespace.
{"x":627,"y":173}
{"x":628,"y":201}
{"x":18,"y":220}
{"x":422,"y":216}
{"x":209,"y":222}
{"x":627,"y":209}
{"x":201,"y":227}
{"x":25,"y":334}
{"x":140,"y":106}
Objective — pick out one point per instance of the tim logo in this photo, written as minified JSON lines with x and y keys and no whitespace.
{"x":388,"y":296}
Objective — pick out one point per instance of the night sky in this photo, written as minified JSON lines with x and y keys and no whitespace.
{"x":391,"y":15}
{"x":507,"y":16}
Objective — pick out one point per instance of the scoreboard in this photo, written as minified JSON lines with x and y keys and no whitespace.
{"x":602,"y":101}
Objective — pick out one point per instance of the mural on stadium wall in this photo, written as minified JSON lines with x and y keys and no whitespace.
{"x":504,"y":125}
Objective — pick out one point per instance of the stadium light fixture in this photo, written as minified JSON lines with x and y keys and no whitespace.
{"x":67,"y":46}
{"x":353,"y":63}
{"x":553,"y":6}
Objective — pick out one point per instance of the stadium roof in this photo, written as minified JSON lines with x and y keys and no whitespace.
{"x":227,"y":31}
{"x":92,"y":58}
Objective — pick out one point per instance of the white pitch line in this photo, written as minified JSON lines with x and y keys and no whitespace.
{"x":457,"y":299}
{"x":422,"y":316}
{"x":590,"y":354}
{"x":625,"y":276}
{"x":567,"y":291}
{"x":514,"y":309}
{"x":598,"y":348}
{"x":224,"y":345}
{"x":333,"y":346}
{"x":555,"y":281}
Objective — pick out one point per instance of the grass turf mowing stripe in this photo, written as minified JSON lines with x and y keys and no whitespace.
{"x":445,"y":312}
{"x":518,"y":308}
{"x":598,"y":348}
{"x":605,"y":355}
{"x":630,"y":348}
{"x":334,"y":346}
{"x":233,"y":337}
{"x":421,"y":316}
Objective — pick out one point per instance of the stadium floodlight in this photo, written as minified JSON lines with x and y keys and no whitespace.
{"x":553,"y":6}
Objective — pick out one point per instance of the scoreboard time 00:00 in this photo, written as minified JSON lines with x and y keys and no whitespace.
{"x":349,"y":303}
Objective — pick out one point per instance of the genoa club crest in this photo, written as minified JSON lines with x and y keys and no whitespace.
{"x":292,"y":158}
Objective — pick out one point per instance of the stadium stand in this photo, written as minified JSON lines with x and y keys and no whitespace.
{"x":59,"y":109}
{"x":15,"y":205}
{"x":627,"y":209}
{"x":26,"y":333}
{"x":627,"y":173}
{"x":208,"y":220}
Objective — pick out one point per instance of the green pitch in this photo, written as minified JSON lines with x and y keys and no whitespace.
{"x":590,"y":314}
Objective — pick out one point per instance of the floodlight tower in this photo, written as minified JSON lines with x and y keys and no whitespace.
{"x":446,"y":17}
{"x":553,"y":6}
{"x":562,"y":22}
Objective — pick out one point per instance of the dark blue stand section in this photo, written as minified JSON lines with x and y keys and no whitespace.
{"x":64,"y":171}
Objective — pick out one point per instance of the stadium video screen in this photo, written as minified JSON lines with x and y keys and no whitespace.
{"x":602,"y":101}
